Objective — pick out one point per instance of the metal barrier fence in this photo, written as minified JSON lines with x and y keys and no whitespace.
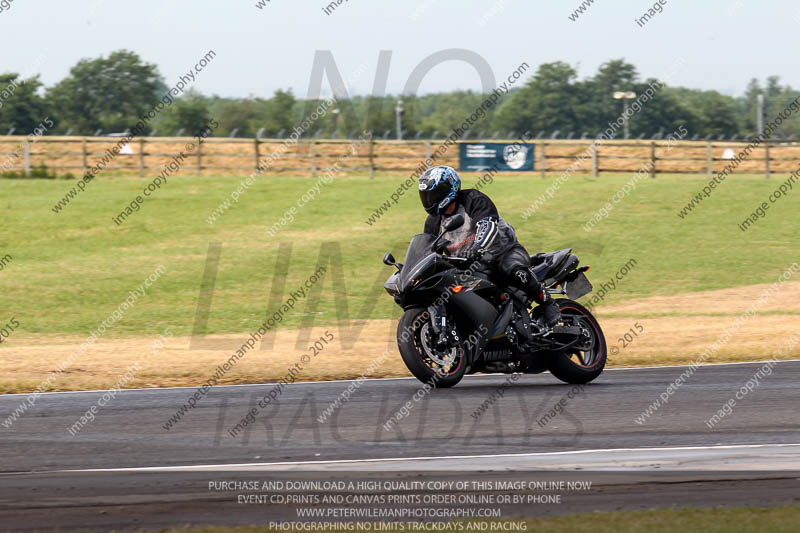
{"x":231,"y":156}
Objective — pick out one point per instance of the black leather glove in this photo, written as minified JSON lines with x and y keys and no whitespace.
{"x":475,"y":254}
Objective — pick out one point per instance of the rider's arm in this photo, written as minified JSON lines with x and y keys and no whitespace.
{"x":485,"y":234}
{"x":481,"y":208}
{"x":432,"y":225}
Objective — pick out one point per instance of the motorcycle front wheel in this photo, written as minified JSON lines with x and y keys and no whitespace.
{"x":416,"y":340}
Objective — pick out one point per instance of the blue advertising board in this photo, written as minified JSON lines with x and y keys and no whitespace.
{"x":505,"y":157}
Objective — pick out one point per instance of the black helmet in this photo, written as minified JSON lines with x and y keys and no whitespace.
{"x":438,"y":187}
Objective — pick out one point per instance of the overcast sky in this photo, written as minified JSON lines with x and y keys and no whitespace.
{"x":722,"y":44}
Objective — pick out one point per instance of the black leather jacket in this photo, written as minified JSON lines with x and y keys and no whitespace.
{"x":483,"y":227}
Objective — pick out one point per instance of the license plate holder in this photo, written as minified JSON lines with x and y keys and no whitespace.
{"x":578,"y":287}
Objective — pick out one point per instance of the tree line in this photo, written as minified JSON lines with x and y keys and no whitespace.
{"x":109,"y":94}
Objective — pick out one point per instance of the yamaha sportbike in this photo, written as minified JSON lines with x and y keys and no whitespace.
{"x":457,"y":321}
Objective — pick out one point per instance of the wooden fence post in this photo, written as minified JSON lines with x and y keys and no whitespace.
{"x":257,"y":153}
{"x":199,"y":159}
{"x":543,"y":160}
{"x":84,"y":158}
{"x":427,"y":150}
{"x":709,"y":160}
{"x":653,"y":159}
{"x":594,"y":159}
{"x":766,"y":159}
{"x":141,"y":157}
{"x":27,"y":146}
{"x":313,"y":157}
{"x":371,"y":157}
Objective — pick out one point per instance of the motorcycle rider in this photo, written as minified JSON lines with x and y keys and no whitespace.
{"x":484,"y":236}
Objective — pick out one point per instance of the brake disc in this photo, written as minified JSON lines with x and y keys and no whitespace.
{"x":440,"y":358}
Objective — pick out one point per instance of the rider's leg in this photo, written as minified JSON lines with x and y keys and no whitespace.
{"x":513,"y":266}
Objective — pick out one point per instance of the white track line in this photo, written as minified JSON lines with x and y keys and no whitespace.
{"x":422,"y":458}
{"x":473,"y":376}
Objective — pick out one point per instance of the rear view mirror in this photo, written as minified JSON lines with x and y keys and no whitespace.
{"x":388,"y":259}
{"x":454,"y":222}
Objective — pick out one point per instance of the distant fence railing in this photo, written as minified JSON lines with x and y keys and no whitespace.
{"x":232,"y":156}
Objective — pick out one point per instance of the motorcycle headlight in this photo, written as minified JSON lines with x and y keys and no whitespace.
{"x":391,"y":288}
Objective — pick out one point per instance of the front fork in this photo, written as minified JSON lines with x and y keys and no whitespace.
{"x":446,"y":333}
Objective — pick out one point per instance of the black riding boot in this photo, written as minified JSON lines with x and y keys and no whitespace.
{"x":534,"y":289}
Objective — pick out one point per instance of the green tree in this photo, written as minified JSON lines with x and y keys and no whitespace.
{"x":550,"y":101}
{"x":190,"y":113}
{"x":241,"y":115}
{"x":278,"y":113}
{"x":748,"y":105}
{"x":662,"y":113}
{"x":107,"y":92}
{"x":598,"y":107}
{"x":378,"y":114}
{"x":446,"y":112}
{"x":708,"y":112}
{"x":776,"y":99}
{"x":21,"y":107}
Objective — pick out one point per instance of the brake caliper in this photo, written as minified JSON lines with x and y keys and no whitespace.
{"x":440,"y":327}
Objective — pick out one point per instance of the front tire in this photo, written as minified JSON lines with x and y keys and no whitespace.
{"x":584,"y":362}
{"x":437,"y":369}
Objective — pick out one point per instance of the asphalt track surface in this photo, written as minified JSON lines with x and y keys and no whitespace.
{"x":125,"y":469}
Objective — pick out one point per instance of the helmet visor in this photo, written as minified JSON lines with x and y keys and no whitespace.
{"x":431,"y":199}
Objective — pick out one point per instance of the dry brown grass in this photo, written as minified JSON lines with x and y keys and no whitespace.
{"x":728,"y":301}
{"x":679,"y":339}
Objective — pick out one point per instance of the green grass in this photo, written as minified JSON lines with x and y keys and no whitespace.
{"x":715,"y":520}
{"x":71,"y":270}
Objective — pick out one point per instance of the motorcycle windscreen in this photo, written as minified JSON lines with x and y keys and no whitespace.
{"x":418,"y":249}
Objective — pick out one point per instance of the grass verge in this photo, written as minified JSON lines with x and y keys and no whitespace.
{"x":69,"y":272}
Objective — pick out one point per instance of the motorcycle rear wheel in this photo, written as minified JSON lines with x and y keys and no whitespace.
{"x":437,"y":369}
{"x":580,"y":365}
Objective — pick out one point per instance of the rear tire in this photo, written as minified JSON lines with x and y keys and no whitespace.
{"x":419,"y":359}
{"x":579,"y":366}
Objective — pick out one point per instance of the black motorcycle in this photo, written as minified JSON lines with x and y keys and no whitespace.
{"x":457,"y":321}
